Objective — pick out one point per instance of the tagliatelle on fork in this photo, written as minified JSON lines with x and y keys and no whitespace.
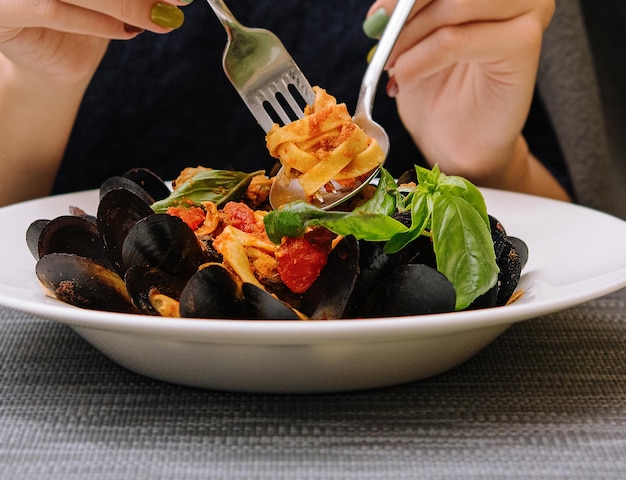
{"x":325,"y":145}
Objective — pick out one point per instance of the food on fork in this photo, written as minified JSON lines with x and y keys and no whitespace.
{"x":325,"y":146}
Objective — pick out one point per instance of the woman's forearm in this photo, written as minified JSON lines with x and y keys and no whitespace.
{"x":36,"y":118}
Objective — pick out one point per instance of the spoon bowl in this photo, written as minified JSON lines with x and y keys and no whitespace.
{"x":286,"y":188}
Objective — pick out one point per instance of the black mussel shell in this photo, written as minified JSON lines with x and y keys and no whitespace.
{"x":510,"y":263}
{"x":419,"y":250}
{"x":118,"y":211}
{"x":374,"y":264}
{"x":212,"y":292}
{"x":487,"y":299}
{"x":413,"y":289}
{"x":143,"y":282}
{"x":149,"y":181}
{"x":70,"y":234}
{"x":164,"y":242}
{"x":408,"y":176}
{"x":260,"y":305}
{"x":521,"y":248}
{"x":32,"y":236}
{"x":329,"y":295}
{"x":81,"y":282}
{"x":123,"y":183}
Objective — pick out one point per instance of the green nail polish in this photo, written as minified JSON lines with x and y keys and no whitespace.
{"x":166,"y":15}
{"x":375,"y":24}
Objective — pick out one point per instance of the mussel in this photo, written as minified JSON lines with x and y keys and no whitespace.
{"x":81,"y":282}
{"x":147,"y":286}
{"x":67,"y":234}
{"x":118,"y":211}
{"x":164,"y":242}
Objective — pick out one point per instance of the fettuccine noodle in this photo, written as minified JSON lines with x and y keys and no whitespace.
{"x":324,"y":145}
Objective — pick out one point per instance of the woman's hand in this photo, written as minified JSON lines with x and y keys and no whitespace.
{"x":49,"y":51}
{"x":463,"y":74}
{"x":66,"y":39}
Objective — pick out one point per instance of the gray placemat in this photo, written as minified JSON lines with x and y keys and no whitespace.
{"x":546,"y":400}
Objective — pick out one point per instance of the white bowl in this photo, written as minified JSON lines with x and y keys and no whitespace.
{"x":576,"y":254}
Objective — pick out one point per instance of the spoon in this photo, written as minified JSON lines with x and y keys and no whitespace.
{"x":286,"y":188}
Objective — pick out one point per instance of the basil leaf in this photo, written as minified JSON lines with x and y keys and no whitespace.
{"x":463,"y":248}
{"x":218,"y":186}
{"x":385,"y":197}
{"x":373,"y":227}
{"x":290,"y":220}
{"x":462,"y":187}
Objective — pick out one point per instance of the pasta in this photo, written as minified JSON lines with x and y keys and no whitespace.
{"x":325,"y":145}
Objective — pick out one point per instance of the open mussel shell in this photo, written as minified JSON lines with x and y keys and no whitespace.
{"x":212,"y":292}
{"x":149,"y":181}
{"x":164,"y":242}
{"x":143,"y":283}
{"x":412,"y":289}
{"x":119,"y":209}
{"x":67,"y":234}
{"x":260,"y":305}
{"x":81,"y":282}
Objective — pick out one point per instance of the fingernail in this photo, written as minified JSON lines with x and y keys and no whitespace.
{"x":166,"y":15}
{"x":375,"y":24}
{"x":392,"y":87}
{"x":132,"y":28}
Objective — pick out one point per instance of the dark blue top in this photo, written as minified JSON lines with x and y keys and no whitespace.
{"x":163,"y":101}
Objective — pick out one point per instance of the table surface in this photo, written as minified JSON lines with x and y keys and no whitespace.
{"x":546,"y":400}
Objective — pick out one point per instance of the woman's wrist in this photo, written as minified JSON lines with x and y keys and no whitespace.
{"x":524,"y":173}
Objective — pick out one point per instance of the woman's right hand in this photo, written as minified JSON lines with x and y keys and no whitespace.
{"x":463,"y":73}
{"x":64,"y":40}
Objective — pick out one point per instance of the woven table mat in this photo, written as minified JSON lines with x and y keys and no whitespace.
{"x":546,"y":400}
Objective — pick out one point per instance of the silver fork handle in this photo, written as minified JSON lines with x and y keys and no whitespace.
{"x":224,"y":15}
{"x":375,"y":68}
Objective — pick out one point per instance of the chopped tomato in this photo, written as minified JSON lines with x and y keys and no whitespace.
{"x":300,"y":260}
{"x":240,"y":216}
{"x":192,"y":216}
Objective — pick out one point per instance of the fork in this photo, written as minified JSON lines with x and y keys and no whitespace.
{"x":262,"y":71}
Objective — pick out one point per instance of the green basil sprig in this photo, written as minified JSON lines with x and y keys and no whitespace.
{"x":450,"y":209}
{"x":371,"y":221}
{"x":218,"y":186}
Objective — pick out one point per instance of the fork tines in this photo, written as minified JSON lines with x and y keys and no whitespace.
{"x":282,"y":100}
